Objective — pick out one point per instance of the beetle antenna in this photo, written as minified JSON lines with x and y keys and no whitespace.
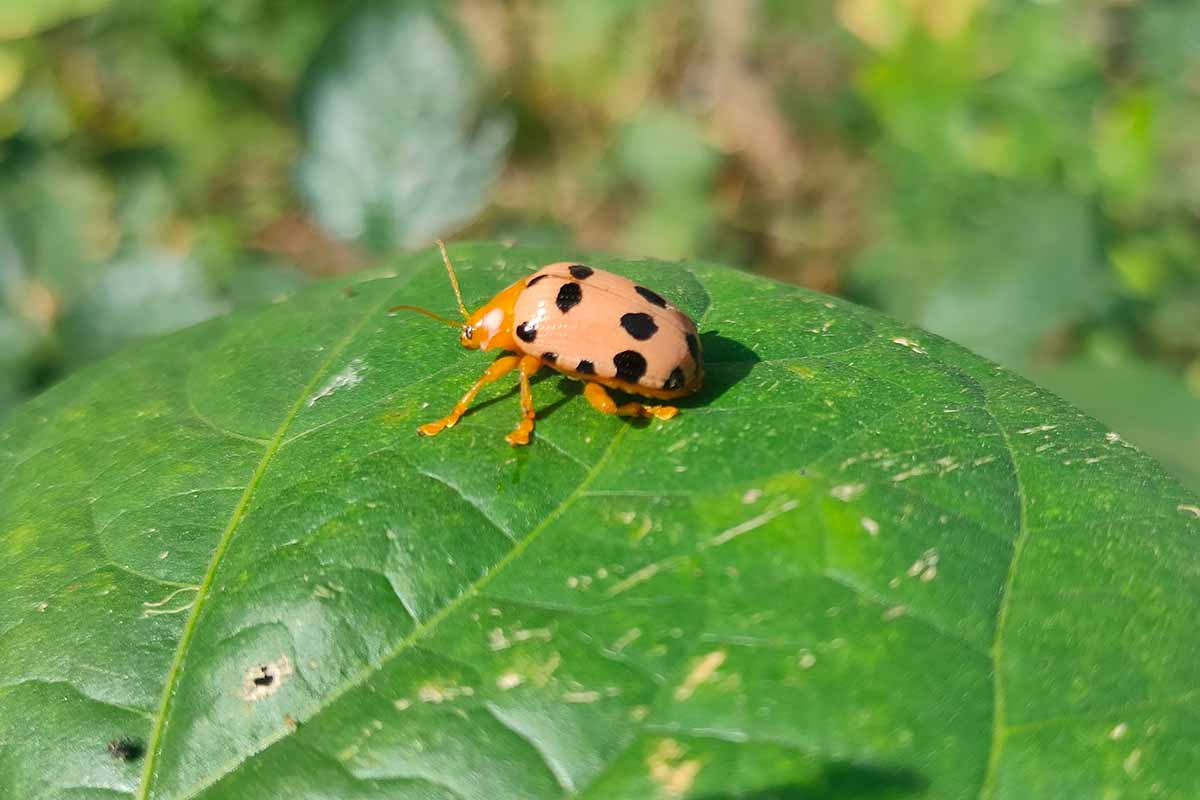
{"x":429,"y":314}
{"x":453,"y":280}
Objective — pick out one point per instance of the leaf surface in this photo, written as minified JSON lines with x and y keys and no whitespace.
{"x":863,"y":562}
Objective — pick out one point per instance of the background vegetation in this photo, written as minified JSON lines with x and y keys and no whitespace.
{"x":1022,"y":177}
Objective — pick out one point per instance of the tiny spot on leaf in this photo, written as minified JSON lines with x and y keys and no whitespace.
{"x":264,"y":680}
{"x":126,"y":749}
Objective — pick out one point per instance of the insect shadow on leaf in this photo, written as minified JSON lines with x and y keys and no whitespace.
{"x":726,"y":361}
{"x":841,"y":779}
{"x":515,"y":391}
{"x":126,"y":749}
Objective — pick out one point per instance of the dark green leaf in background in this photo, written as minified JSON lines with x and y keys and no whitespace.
{"x":998,"y":277}
{"x":1147,"y":403}
{"x":861,"y":563}
{"x":396,"y":151}
{"x":138,"y":297}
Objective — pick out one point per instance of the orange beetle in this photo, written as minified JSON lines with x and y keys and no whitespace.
{"x":588,"y":324}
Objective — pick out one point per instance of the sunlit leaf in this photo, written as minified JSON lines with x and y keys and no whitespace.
{"x":862,"y":562}
{"x":399,"y":148}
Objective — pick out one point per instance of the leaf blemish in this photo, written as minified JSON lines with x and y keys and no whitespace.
{"x":750,"y":524}
{"x":498,"y":640}
{"x":704,"y":669}
{"x":629,"y":637}
{"x":674,"y":779}
{"x":156,"y":607}
{"x":1132,"y":764}
{"x":433,"y":693}
{"x":848,"y":491}
{"x":126,"y":749}
{"x":640,"y":576}
{"x":1193,"y":510}
{"x":910,"y":344}
{"x":264,"y":680}
{"x":348,"y":378}
{"x":509,"y":680}
{"x":925,"y":567}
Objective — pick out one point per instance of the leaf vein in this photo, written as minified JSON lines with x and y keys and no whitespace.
{"x":235,"y":519}
{"x":425,"y":628}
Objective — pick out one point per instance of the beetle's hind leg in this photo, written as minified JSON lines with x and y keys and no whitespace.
{"x":600,"y":399}
{"x":528,"y":368}
{"x":498,"y":369}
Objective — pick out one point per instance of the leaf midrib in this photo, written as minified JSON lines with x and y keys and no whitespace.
{"x":424,"y":629}
{"x":235,"y":519}
{"x":987,"y":786}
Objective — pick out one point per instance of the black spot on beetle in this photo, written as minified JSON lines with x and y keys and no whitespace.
{"x":551,"y":357}
{"x":585,"y":367}
{"x":653,"y":297}
{"x":638,"y":325}
{"x":569,"y":295}
{"x":579,"y":272}
{"x":532,"y":281}
{"x":675,"y":381}
{"x":693,"y":347}
{"x":630,"y":364}
{"x":526,"y":332}
{"x":126,"y":749}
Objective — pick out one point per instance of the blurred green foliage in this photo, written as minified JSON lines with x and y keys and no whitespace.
{"x":1022,"y":177}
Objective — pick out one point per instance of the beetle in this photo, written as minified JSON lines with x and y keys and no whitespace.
{"x":590,"y":325}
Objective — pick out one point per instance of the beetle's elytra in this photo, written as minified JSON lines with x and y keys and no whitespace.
{"x":588,"y":324}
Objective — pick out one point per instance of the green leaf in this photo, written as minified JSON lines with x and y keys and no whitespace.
{"x":1149,"y":403}
{"x":398,"y":150}
{"x":862,"y":562}
{"x":146,"y":294}
{"x":997,"y":276}
{"x":58,"y":222}
{"x":665,"y":156}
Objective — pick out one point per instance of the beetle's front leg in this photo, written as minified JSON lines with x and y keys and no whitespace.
{"x":528,"y":368}
{"x":498,"y":369}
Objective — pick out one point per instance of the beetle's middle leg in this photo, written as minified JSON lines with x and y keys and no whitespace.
{"x":528,"y":368}
{"x":498,"y":369}
{"x":598,"y":396}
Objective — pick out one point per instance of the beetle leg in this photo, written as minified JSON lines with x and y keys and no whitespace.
{"x":598,"y":396}
{"x":498,"y":369}
{"x":520,"y":435}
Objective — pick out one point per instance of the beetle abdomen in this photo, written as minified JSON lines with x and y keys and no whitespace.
{"x":599,"y":326}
